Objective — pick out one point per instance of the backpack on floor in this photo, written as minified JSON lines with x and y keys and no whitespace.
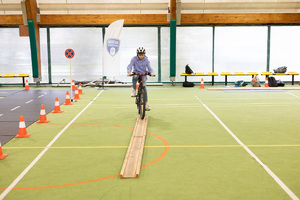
{"x":188,"y":70}
{"x":188,"y":84}
{"x":240,"y":83}
{"x":272,"y":82}
{"x":280,"y":83}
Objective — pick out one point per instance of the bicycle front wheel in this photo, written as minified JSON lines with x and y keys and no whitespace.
{"x":142,"y":104}
{"x":137,"y":101}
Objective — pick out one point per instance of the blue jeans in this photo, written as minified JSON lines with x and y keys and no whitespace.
{"x":134,"y":79}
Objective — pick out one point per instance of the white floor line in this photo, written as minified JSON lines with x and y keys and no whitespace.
{"x":280,"y":183}
{"x":15,"y":108}
{"x":15,"y":182}
{"x":1,"y":115}
{"x":293,"y":95}
{"x":29,"y":101}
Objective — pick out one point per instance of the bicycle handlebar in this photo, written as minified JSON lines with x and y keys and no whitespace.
{"x":148,"y":73}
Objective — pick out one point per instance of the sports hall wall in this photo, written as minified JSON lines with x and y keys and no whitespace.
{"x":205,"y":49}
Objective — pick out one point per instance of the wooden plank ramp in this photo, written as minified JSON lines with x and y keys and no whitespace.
{"x":133,"y":159}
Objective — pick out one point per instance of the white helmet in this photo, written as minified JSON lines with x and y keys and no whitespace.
{"x":140,"y":50}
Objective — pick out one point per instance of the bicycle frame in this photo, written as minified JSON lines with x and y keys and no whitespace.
{"x":141,"y":95}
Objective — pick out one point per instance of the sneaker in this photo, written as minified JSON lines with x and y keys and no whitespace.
{"x":148,"y":108}
{"x":133,"y":93}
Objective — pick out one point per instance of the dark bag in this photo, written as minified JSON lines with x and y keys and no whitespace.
{"x":188,"y":70}
{"x":272,"y":82}
{"x":280,"y":69}
{"x":240,"y":83}
{"x":280,"y":83}
{"x":188,"y":84}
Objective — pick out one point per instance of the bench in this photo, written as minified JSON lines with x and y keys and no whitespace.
{"x":267,"y":74}
{"x":15,"y":76}
{"x":212,"y":74}
{"x":226,"y":74}
{"x":237,"y":74}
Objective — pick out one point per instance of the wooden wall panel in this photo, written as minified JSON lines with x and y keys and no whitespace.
{"x":158,"y":19}
{"x":105,"y":19}
{"x":256,"y":18}
{"x":11,"y":20}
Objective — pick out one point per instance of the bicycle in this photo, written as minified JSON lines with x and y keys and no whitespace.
{"x":141,"y":94}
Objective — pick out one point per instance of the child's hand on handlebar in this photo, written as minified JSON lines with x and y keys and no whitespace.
{"x":129,"y":74}
{"x":152,"y":74}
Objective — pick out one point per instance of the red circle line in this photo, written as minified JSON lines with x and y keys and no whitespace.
{"x":103,"y":178}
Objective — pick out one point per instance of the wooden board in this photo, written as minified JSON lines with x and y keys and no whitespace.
{"x":133,"y":159}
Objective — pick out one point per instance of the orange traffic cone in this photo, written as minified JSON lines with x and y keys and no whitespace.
{"x":43,"y":118}
{"x":68,"y":100}
{"x":202,"y":84}
{"x":73,"y":85}
{"x":57,"y":107}
{"x":76,"y":94}
{"x":2,"y":155}
{"x":26,"y":85}
{"x":266,"y":83}
{"x":80,"y":89}
{"x":22,"y":129}
{"x":137,"y":85}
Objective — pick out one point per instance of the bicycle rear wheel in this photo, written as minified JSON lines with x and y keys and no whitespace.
{"x":142,"y":103}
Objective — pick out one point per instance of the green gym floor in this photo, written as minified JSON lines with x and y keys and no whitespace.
{"x":200,"y":145}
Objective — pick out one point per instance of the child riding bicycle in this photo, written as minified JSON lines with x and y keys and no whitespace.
{"x":141,"y":65}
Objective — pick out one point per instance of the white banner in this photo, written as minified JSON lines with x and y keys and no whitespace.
{"x":111,"y":50}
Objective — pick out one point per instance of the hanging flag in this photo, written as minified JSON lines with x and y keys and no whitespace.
{"x":111,"y":50}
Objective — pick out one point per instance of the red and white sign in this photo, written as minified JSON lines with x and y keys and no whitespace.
{"x":69,"y":53}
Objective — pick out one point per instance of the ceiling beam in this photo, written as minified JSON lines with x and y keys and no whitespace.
{"x":102,"y":6}
{"x":173,"y":9}
{"x":207,"y":6}
{"x":31,"y":9}
{"x":10,"y":7}
{"x":178,"y":12}
{"x":158,"y":19}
